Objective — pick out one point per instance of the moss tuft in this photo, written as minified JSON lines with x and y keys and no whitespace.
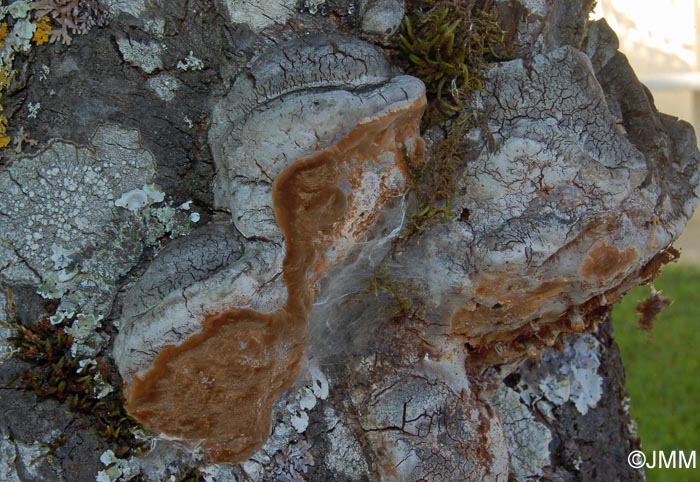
{"x":381,"y":284}
{"x":55,"y":373}
{"x":448,"y":44}
{"x":433,"y":182}
{"x":193,"y":476}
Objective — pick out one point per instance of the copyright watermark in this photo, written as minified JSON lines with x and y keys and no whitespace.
{"x":636,"y":459}
{"x":673,"y":459}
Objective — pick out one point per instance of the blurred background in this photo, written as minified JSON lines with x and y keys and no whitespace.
{"x":661,"y":39}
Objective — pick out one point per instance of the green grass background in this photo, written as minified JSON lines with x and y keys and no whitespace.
{"x":663,"y":368}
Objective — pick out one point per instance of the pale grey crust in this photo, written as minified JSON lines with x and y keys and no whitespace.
{"x":560,"y":183}
{"x":184,"y":262}
{"x":59,"y":227}
{"x":326,"y":83}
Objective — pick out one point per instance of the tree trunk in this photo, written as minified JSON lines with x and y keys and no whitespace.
{"x":270,"y":241}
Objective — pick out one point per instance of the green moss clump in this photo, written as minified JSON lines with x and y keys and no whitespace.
{"x":193,"y":476}
{"x":432,"y":182}
{"x":448,"y":44}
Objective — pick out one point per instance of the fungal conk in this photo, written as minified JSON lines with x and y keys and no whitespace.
{"x":307,"y":157}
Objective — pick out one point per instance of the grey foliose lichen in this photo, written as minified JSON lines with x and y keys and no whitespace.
{"x":135,"y":8}
{"x":146,"y":56}
{"x":560,"y":377}
{"x":528,"y":440}
{"x":60,"y":230}
{"x":569,"y":375}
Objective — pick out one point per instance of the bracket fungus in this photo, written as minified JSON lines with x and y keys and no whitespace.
{"x":307,"y":166}
{"x":567,"y":211}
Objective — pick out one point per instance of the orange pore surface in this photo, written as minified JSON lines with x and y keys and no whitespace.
{"x":217,"y":388}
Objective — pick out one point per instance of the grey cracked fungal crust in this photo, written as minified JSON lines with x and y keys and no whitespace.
{"x":317,"y":81}
{"x":293,"y":100}
{"x":420,"y":429}
{"x":415,"y":412}
{"x":562,"y":209}
{"x":160,"y":306}
{"x":60,"y":230}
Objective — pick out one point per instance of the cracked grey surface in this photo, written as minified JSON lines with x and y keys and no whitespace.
{"x":418,"y":427}
{"x":572,"y":163}
{"x":541,"y":26}
{"x":179,"y":286}
{"x":528,"y":439}
{"x":558,"y":192}
{"x":345,"y":457}
{"x":207,"y":251}
{"x":327,"y":86}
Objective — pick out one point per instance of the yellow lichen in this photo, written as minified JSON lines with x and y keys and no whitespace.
{"x":41,"y":34}
{"x":5,"y":79}
{"x":4,"y":138}
{"x":3,"y":33}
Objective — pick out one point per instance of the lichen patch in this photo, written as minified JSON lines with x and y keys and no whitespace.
{"x":58,"y":218}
